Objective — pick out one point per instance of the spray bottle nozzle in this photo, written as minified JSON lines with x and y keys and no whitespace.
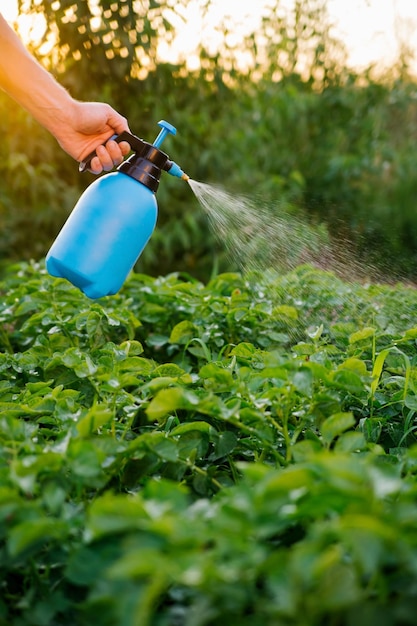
{"x":170,"y":167}
{"x":175,"y":170}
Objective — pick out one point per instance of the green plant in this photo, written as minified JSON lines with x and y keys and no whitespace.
{"x":191,"y":453}
{"x":297,"y":130}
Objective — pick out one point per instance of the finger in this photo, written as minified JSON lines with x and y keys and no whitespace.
{"x":125,"y":147}
{"x":95,"y":166}
{"x":117,"y":122}
{"x":105,"y":158}
{"x":115,"y":152}
{"x":108,"y":156}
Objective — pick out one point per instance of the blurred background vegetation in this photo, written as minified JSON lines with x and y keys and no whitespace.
{"x":294,"y":127}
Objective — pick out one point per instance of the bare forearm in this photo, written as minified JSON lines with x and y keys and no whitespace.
{"x":79,"y":127}
{"x":27,"y":82}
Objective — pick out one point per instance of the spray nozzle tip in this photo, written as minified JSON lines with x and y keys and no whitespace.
{"x":175,"y":170}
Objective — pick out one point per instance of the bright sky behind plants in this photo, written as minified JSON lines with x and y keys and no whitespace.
{"x":372,"y":30}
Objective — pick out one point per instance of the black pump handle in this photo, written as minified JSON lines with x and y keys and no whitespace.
{"x":135,"y":143}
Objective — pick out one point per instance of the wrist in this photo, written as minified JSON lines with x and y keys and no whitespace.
{"x":55,"y":109}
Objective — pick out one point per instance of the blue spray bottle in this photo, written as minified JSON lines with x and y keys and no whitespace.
{"x":113,"y":220}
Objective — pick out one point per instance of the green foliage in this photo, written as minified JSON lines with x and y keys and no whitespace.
{"x":240,"y":449}
{"x":190,"y":453}
{"x":295,"y":127}
{"x":110,"y":41}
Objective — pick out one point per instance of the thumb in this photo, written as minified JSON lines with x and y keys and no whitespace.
{"x":117,"y":122}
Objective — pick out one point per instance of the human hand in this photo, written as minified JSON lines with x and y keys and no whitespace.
{"x":88,"y":126}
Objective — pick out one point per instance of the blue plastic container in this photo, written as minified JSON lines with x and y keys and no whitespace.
{"x":112,"y":222}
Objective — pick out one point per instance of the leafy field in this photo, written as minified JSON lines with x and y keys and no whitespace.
{"x":189,"y":454}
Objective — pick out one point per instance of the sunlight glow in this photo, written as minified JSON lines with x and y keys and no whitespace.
{"x":31,"y":29}
{"x":374,"y":31}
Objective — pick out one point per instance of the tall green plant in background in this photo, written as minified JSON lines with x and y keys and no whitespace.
{"x":293,"y":125}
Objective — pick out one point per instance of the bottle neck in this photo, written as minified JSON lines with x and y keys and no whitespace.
{"x":145,"y":166}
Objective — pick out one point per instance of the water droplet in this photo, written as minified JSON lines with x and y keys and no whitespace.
{"x":259,"y":235}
